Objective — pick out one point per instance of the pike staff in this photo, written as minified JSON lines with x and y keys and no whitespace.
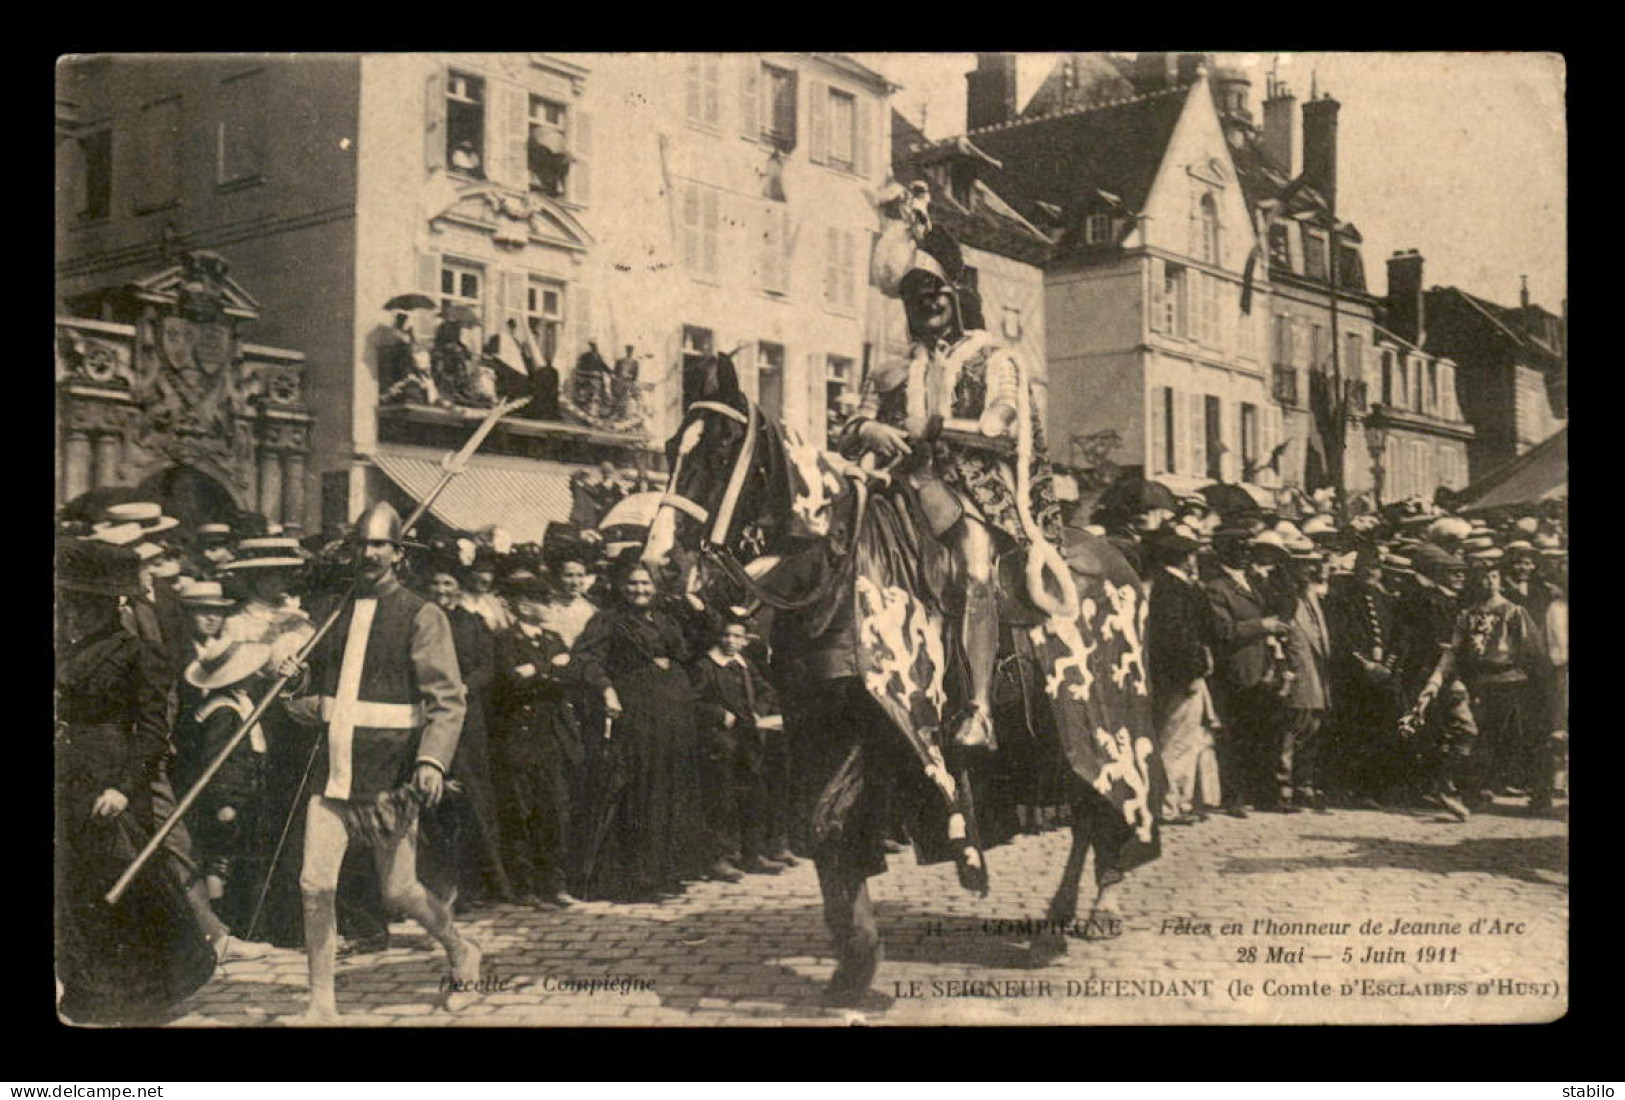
{"x":451,"y":466}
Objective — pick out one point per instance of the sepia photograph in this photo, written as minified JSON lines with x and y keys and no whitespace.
{"x":606,"y":540}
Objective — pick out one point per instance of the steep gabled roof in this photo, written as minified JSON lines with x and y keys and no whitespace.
{"x":1078,"y":79}
{"x":1506,"y":322}
{"x":1065,"y":158}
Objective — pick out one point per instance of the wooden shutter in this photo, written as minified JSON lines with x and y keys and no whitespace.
{"x":579,"y":320}
{"x":429,"y":274}
{"x":745,"y":365}
{"x":862,"y":136}
{"x":751,"y":95}
{"x":710,"y":226}
{"x":507,"y":126}
{"x":1155,"y":296}
{"x":817,"y":121}
{"x":580,"y":185}
{"x":1157,"y":431}
{"x":514,"y":285}
{"x":434,"y":123}
{"x":1233,"y":461}
{"x":1198,"y":414}
{"x":1182,"y":431}
{"x":817,"y":415}
{"x":832,"y":258}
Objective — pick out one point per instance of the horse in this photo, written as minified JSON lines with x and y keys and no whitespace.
{"x":834,"y":549}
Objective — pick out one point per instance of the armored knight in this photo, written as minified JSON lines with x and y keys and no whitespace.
{"x":956,"y":424}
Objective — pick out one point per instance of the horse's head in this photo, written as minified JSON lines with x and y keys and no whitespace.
{"x":719,"y":465}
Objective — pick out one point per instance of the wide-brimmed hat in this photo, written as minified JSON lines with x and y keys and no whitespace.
{"x":1478,"y":544}
{"x":1449,"y":529}
{"x":1174,"y":538}
{"x":229,"y":665}
{"x":1550,"y":545}
{"x":143,"y":513}
{"x":1320,"y":526}
{"x":97,"y":568}
{"x":1430,"y":558}
{"x":213,"y":534}
{"x":1486,"y":557}
{"x":271,"y":552}
{"x":1521,"y":548}
{"x":1270,"y":540}
{"x":525,"y":583}
{"x":1395,"y":563}
{"x":1238,"y":528}
{"x":203,"y":594}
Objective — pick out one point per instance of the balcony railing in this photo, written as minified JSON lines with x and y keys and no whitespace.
{"x":1284,"y":385}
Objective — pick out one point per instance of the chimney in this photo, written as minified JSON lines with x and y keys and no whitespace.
{"x":1320,"y":147}
{"x":1405,"y":304}
{"x":990,"y":91}
{"x":1523,"y":291}
{"x":1280,"y":129}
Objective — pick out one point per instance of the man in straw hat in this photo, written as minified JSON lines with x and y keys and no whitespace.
{"x":1442,"y":710}
{"x":1248,"y":628}
{"x":1179,"y":640}
{"x":386,"y":687}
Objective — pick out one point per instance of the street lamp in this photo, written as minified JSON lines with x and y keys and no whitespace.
{"x":1376,"y":443}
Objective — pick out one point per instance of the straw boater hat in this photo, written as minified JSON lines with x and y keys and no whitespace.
{"x":1272,"y":540}
{"x":211,"y":534}
{"x":231,"y":665}
{"x":204,"y":594}
{"x":266,"y":553}
{"x":149,"y":517}
{"x":1550,"y":545}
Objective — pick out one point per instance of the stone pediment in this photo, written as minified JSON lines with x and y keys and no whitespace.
{"x":512,"y":219}
{"x":200,"y":286}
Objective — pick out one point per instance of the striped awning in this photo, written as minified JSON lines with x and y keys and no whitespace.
{"x":521,"y":496}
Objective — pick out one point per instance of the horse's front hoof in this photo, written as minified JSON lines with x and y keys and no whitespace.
{"x":1046,"y":948}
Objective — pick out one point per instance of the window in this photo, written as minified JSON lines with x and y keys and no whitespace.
{"x":1283,"y":341}
{"x":1097,"y":229}
{"x":701,"y":217}
{"x":1388,"y":380}
{"x":703,"y":102}
{"x":96,"y":175}
{"x":1449,"y":409}
{"x":775,"y":254}
{"x":962,"y":184}
{"x":770,"y":381}
{"x":1246,"y":330}
{"x":1317,"y":347}
{"x":547,"y":151}
{"x":544,"y":316}
{"x":1162,"y":430}
{"x":1350,"y":271}
{"x":1208,"y":230}
{"x":1418,"y":387}
{"x":158,"y":184}
{"x":1280,"y":250}
{"x":840,"y":270}
{"x":1207,"y":317}
{"x":777,"y":121}
{"x":838,"y":394}
{"x":697,"y":347}
{"x":1354,"y":356}
{"x":240,"y":133}
{"x":843,"y":113}
{"x":1172,"y":310}
{"x":1213,"y":434}
{"x":463,"y":284}
{"x":1249,"y":441}
{"x":1314,"y":254}
{"x":465,"y":124}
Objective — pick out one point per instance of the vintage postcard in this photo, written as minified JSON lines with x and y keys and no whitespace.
{"x":809,"y":538}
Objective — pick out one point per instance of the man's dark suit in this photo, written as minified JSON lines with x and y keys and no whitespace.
{"x":1248,"y":702}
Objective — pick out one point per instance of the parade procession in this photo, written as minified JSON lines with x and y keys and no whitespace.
{"x":799,"y":538}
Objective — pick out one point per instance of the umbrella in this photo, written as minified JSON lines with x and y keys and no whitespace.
{"x":410,"y":301}
{"x":463,"y":315}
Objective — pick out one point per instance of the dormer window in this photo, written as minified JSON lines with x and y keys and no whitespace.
{"x":962,"y":184}
{"x":1208,"y":229}
{"x":1280,"y":249}
{"x":1314,"y":253}
{"x":1097,"y":229}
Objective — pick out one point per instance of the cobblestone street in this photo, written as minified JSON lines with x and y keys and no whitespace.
{"x":754,"y":953}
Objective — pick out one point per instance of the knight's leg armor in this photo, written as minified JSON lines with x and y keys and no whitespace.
{"x":978,"y":632}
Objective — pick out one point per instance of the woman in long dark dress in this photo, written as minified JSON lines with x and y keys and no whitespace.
{"x":643,"y":834}
{"x":123,"y":963}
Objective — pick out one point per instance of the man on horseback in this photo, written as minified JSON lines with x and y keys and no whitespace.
{"x":948,"y":422}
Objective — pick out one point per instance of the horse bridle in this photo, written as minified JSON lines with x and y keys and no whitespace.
{"x":718,"y":534}
{"x":714,"y":544}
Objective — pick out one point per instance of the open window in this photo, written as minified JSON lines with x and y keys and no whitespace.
{"x":465,"y":124}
